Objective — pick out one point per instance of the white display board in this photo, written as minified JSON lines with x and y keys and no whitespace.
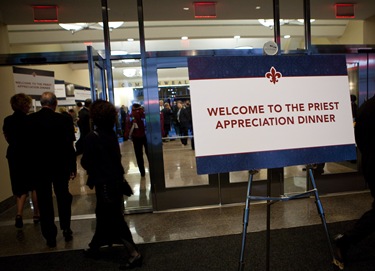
{"x":270,"y":111}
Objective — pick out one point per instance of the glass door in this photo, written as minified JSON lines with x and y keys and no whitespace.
{"x":172,"y":169}
{"x":177,"y":132}
{"x":173,"y":172}
{"x":326,"y":174}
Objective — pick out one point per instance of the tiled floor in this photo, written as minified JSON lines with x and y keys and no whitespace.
{"x":175,"y":225}
{"x":187,"y":224}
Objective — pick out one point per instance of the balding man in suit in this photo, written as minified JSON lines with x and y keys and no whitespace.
{"x":53,"y":160}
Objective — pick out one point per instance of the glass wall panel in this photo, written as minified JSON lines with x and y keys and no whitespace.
{"x":75,"y":31}
{"x":180,"y":168}
{"x":235,"y":26}
{"x":243,"y":176}
{"x":295,"y":176}
{"x":329,"y":30}
{"x":291,"y":25}
{"x":128,"y":89}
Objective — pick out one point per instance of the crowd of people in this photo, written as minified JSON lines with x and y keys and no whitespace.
{"x":50,"y":137}
{"x":44,"y":134}
{"x":177,"y":118}
{"x":47,"y":133}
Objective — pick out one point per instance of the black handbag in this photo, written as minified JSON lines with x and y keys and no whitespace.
{"x":126,"y":189}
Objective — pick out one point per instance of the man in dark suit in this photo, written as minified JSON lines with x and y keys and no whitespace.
{"x":51,"y":138}
{"x":365,"y":138}
{"x":84,"y":125}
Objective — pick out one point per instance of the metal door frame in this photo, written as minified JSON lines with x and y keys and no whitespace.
{"x":96,"y":62}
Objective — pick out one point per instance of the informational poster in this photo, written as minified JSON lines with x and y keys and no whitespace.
{"x":257,"y":112}
{"x":60,"y":91}
{"x":33,"y":82}
{"x":82,"y":94}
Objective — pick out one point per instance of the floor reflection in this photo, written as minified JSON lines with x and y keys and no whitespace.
{"x":180,"y":168}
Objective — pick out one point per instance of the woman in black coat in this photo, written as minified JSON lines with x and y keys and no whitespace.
{"x":102,"y":160}
{"x":15,"y":133}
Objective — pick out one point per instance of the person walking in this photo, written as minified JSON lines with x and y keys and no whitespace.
{"x":365,"y":139}
{"x":84,"y":125}
{"x":137,"y":133}
{"x":102,"y":160}
{"x":51,"y":138}
{"x":14,"y":129}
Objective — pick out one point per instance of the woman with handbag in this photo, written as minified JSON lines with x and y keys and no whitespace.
{"x":15,"y":132}
{"x":102,"y":160}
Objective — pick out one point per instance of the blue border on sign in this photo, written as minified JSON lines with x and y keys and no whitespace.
{"x":274,"y":159}
{"x":258,"y":66}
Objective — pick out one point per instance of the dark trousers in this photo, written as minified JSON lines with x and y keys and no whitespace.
{"x":184,"y":131}
{"x":139,"y":143}
{"x":366,"y":224}
{"x":45,"y":201}
{"x":111,"y":228}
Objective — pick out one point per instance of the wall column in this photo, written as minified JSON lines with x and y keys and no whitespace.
{"x":7,"y":91}
{"x":369,"y":30}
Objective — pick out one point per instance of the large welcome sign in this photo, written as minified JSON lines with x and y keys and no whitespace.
{"x":270,"y":111}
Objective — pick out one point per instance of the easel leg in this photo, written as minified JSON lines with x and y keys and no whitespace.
{"x":321,"y":212}
{"x":268,"y":231}
{"x":245,"y":221}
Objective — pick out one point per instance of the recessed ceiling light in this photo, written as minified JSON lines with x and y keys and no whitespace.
{"x":237,"y":37}
{"x":287,"y":37}
{"x":130,"y":39}
{"x":257,"y":7}
{"x":302,"y":20}
{"x":245,"y":47}
{"x":186,"y":8}
{"x":184,"y":38}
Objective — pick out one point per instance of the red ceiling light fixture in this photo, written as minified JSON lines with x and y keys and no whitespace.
{"x":45,"y":14}
{"x":344,"y":11}
{"x":205,"y":10}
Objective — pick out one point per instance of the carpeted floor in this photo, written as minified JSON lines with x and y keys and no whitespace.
{"x":303,"y":248}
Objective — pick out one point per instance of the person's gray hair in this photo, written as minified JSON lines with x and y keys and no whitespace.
{"x":48,"y":99}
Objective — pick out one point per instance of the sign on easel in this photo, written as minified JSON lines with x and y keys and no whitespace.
{"x":33,"y":82}
{"x":270,"y":111}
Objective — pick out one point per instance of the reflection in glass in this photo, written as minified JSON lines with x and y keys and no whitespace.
{"x":180,"y":168}
{"x":243,"y":176}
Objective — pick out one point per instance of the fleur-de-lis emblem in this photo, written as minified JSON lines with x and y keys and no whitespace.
{"x":273,"y":75}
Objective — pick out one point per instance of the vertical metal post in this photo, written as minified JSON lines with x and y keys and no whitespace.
{"x":107,"y":45}
{"x":307,"y":25}
{"x":91,"y":72}
{"x":142,"y":44}
{"x":276,"y":24}
{"x":268,"y":232}
{"x":141,"y":28}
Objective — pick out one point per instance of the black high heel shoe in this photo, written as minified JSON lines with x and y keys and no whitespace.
{"x":133,"y":263}
{"x":19,"y":222}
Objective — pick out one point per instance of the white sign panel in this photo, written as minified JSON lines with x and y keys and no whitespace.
{"x":33,"y":82}
{"x":270,"y":111}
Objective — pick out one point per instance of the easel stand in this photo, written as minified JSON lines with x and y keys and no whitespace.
{"x":271,"y":200}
